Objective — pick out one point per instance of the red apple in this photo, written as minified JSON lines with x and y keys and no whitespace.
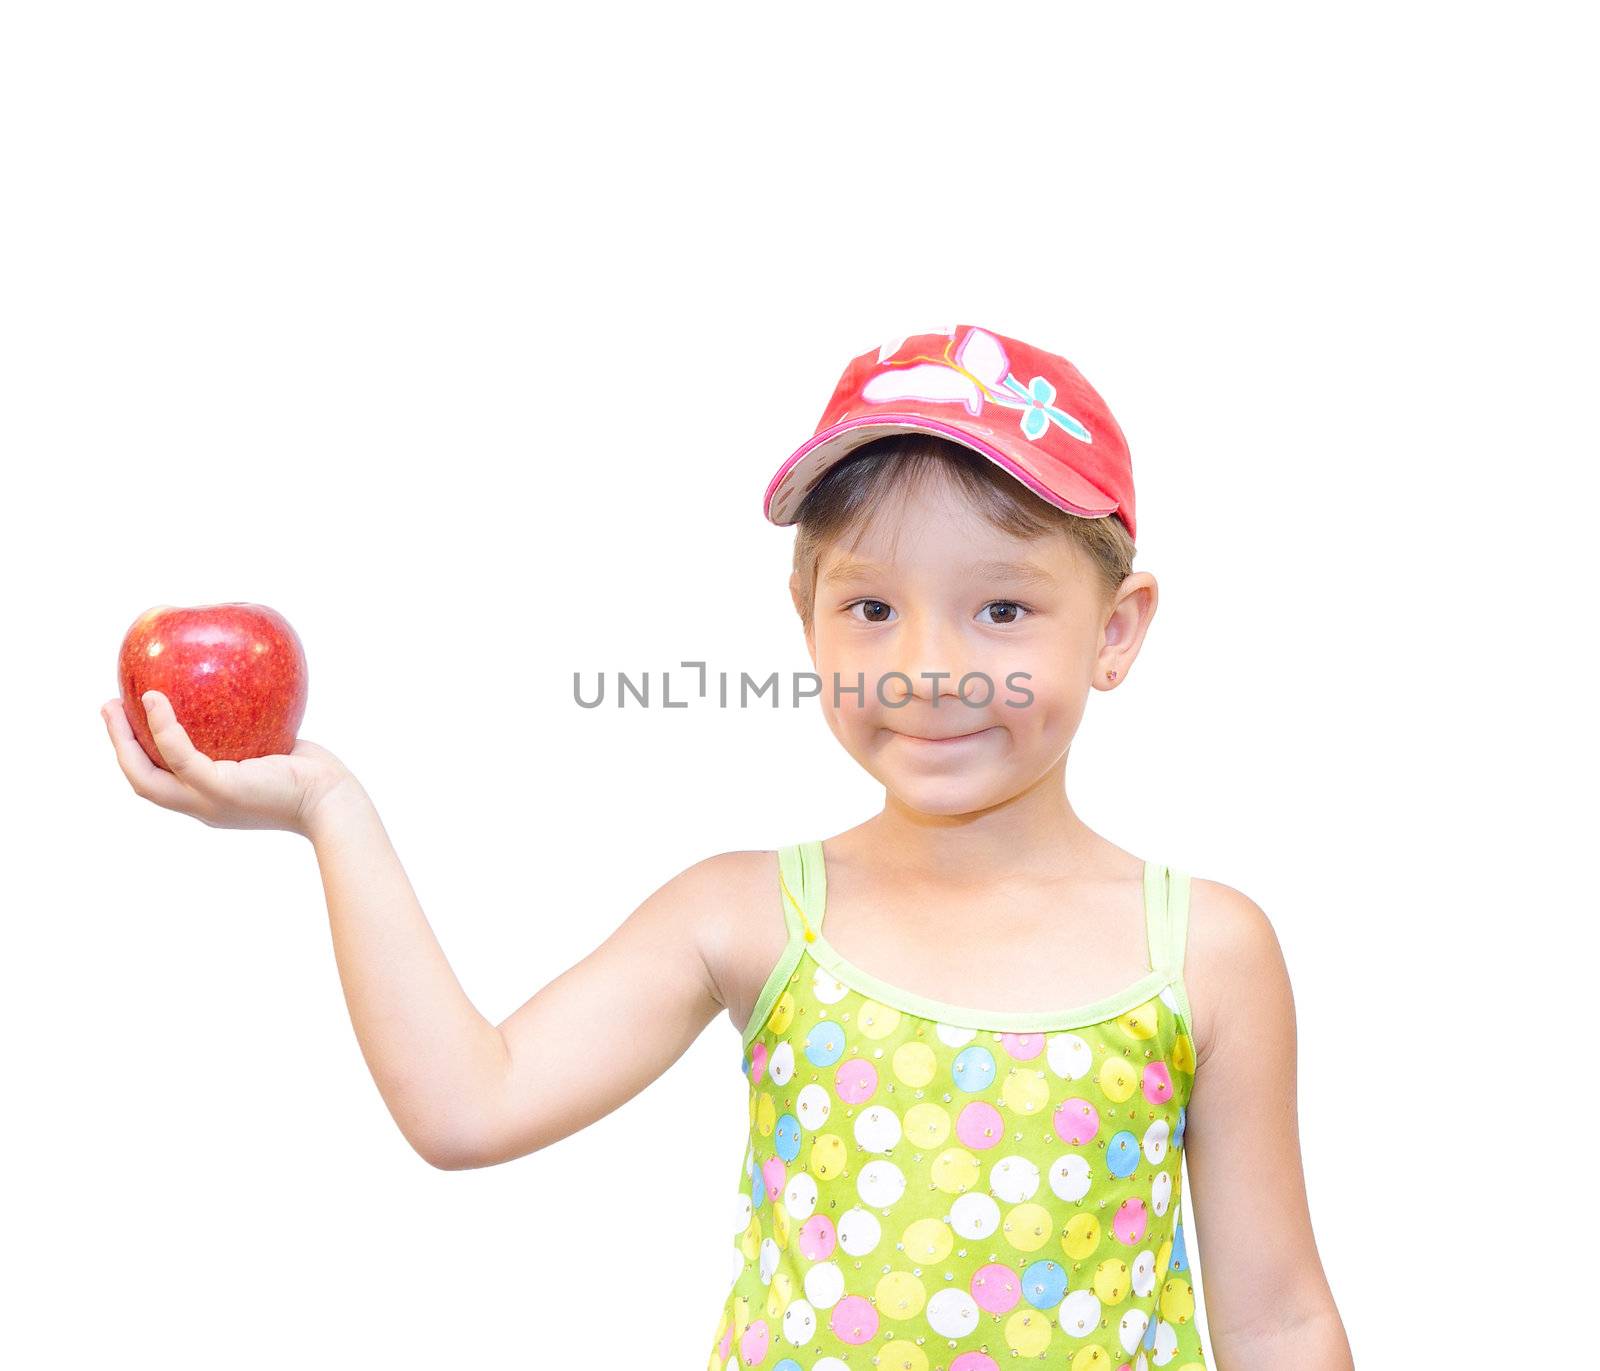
{"x":234,"y":673}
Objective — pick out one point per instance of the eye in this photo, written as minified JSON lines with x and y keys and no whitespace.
{"x":874,"y":608}
{"x":1010,"y":610}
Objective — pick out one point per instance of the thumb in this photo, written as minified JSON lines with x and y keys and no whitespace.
{"x":171,"y":741}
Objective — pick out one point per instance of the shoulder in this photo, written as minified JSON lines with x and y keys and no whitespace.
{"x":729,"y":904}
{"x":1232,"y":962}
{"x":719,"y":889}
{"x":730,"y":875}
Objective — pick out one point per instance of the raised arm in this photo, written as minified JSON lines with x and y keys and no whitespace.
{"x":651,"y":985}
{"x":463,"y":1091}
{"x":469,"y":1093}
{"x":1267,"y":1299}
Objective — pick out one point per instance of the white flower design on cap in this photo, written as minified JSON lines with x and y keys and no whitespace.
{"x":979,"y":370}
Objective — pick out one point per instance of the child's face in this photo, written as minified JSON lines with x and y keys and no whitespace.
{"x":926,"y":590}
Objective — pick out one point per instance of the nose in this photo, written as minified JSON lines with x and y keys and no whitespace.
{"x":930,"y":653}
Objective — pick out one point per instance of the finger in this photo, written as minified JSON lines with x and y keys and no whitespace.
{"x":147,"y":779}
{"x":188,"y":764}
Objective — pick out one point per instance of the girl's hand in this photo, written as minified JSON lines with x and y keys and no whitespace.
{"x":279,"y":791}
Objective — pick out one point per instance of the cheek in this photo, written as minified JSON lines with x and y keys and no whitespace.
{"x":1051,"y":696}
{"x":1049,"y":671}
{"x":855,"y":674}
{"x":1042,"y":716}
{"x":846,"y":706}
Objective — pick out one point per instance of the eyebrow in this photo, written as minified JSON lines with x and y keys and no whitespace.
{"x":1024,"y":573}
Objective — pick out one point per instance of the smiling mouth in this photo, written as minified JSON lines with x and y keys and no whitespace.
{"x":945,"y":742}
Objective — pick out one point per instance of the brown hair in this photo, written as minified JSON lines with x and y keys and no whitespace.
{"x":845,"y":498}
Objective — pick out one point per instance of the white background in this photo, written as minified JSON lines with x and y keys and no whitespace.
{"x":469,"y":336}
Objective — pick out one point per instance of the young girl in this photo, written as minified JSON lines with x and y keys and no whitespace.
{"x":979,"y":1037}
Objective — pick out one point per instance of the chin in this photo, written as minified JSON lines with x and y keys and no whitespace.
{"x":948,"y":796}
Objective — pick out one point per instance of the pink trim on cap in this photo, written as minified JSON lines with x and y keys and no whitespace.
{"x":921,"y":424}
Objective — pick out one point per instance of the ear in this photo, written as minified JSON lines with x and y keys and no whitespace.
{"x":1127,"y":620}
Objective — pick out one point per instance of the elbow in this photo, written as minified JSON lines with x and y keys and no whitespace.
{"x":449,"y":1154}
{"x":472,"y":1154}
{"x":468,"y":1139}
{"x":448,"y":1161}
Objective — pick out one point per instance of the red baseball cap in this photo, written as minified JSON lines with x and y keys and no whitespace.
{"x":1026,"y":410}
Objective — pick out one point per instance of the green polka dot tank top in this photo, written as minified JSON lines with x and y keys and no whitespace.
{"x":929,"y":1187}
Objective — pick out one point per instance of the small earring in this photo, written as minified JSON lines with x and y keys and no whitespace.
{"x":1111,"y":675}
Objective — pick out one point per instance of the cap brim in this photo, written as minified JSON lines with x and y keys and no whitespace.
{"x":811,"y":460}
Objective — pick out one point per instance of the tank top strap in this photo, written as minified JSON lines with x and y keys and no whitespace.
{"x":1166,"y":916}
{"x":1166,"y":909}
{"x":802,"y":886}
{"x":1177,"y":920}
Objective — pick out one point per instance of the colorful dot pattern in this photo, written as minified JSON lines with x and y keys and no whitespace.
{"x":922,"y":1194}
